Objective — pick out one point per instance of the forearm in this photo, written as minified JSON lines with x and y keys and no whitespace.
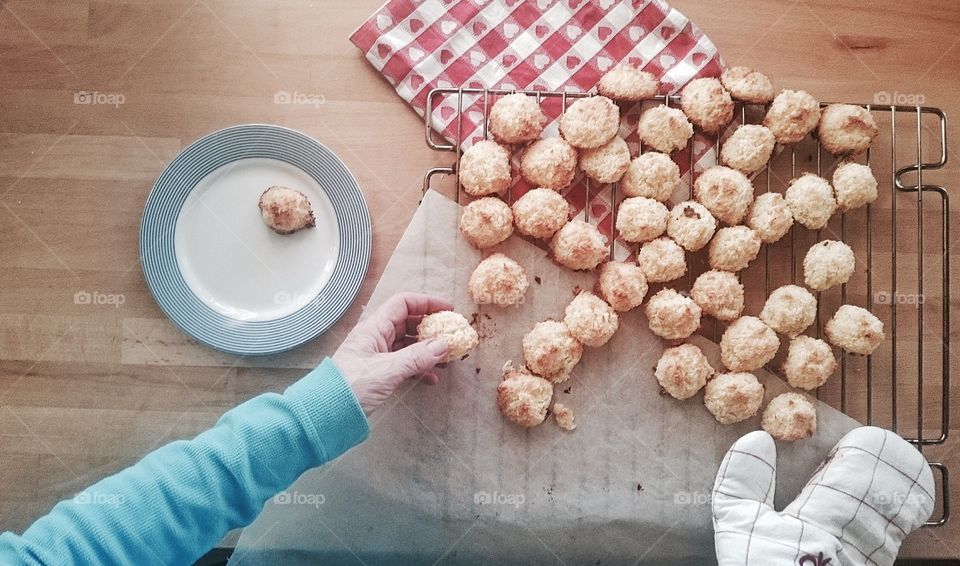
{"x":179,"y":500}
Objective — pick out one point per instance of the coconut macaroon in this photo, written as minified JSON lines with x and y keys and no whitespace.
{"x":485,"y":168}
{"x":662,"y":260}
{"x":727,"y":193}
{"x":664,"y":128}
{"x":522,"y":397}
{"x":810,"y":363}
{"x":691,"y":225}
{"x":827,"y":264}
{"x":590,"y":122}
{"x":451,"y":327}
{"x":748,"y":344}
{"x":591,"y":320}
{"x":683,"y":370}
{"x":607,"y":163}
{"x":748,"y":149}
{"x":733,"y":248}
{"x":549,"y":163}
{"x":789,"y":310}
{"x":770,"y":217}
{"x":550,"y":351}
{"x":789,"y":416}
{"x":564,"y":417}
{"x":498,"y":280}
{"x":854,"y":186}
{"x":641,"y":219}
{"x":748,"y":85}
{"x":671,"y":315}
{"x":486,"y":222}
{"x":855,"y":330}
{"x":652,"y":175}
{"x":719,"y":294}
{"x":540,"y":213}
{"x":792,"y":115}
{"x":516,"y":118}
{"x":707,"y":104}
{"x":623,"y":285}
{"x":628,"y":84}
{"x":285,"y":210}
{"x":733,"y":397}
{"x":579,"y":245}
{"x":846,"y":128}
{"x":811,"y":201}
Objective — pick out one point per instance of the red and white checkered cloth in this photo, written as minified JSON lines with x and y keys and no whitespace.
{"x":551,"y":45}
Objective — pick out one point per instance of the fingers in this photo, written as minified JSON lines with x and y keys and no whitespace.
{"x":402,"y":312}
{"x":418,"y":358}
{"x":404,"y":305}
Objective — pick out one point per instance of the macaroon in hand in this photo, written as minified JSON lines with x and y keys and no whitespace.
{"x":285,"y":210}
{"x":451,"y":327}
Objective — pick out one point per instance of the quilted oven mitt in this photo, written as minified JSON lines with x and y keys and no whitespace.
{"x":873,"y":489}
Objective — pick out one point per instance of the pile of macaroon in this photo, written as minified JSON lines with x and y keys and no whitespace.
{"x":724,"y":215}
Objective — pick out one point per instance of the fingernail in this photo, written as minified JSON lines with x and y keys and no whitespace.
{"x":437,"y":347}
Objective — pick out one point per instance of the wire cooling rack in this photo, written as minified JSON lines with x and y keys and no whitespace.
{"x":900,"y":241}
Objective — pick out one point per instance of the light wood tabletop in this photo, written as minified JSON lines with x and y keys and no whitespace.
{"x":87,"y":389}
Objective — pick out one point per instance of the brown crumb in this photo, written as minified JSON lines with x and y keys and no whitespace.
{"x":537,"y":279}
{"x":567,"y":390}
{"x":690,"y":212}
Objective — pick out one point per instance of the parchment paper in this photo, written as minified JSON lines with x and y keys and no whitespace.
{"x":445,"y":478}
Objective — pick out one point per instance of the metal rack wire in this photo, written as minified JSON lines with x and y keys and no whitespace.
{"x":877,"y":389}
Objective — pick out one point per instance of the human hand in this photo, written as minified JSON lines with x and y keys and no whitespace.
{"x":381,"y":351}
{"x":873,"y":489}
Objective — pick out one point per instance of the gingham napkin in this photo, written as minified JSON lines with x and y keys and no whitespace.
{"x":873,"y":489}
{"x":558,"y":45}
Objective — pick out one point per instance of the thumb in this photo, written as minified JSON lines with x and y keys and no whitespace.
{"x":743,"y":505}
{"x":417,"y":358}
{"x":747,"y":474}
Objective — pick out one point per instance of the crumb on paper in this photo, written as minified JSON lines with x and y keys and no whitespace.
{"x":564,"y":416}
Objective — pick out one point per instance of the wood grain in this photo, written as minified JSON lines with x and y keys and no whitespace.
{"x":86,"y":390}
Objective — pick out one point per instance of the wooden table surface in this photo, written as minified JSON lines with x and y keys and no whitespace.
{"x":86,"y":390}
